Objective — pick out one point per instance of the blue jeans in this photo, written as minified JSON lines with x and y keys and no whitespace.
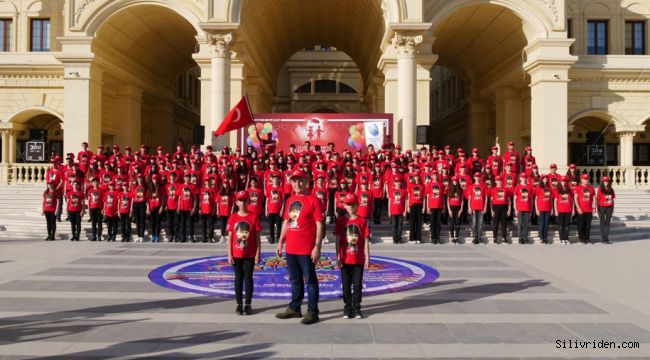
{"x":301,"y":267}
{"x":542,"y":222}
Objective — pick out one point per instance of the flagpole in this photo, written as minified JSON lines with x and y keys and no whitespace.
{"x":248,"y":103}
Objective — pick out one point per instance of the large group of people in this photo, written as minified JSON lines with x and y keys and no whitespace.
{"x":299,"y":191}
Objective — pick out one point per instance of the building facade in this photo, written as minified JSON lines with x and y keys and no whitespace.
{"x":543,"y":73}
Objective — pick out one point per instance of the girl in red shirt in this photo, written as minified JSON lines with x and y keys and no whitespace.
{"x":95,"y":197}
{"x":564,"y":208}
{"x":75,"y":202}
{"x":274,"y":207}
{"x":50,"y":204}
{"x":171,"y":206}
{"x":207,"y":210}
{"x":414,"y":201}
{"x":605,"y":198}
{"x":154,"y":207}
{"x":109,"y":211}
{"x":124,"y":208}
{"x":338,"y":198}
{"x":435,"y":199}
{"x":455,"y":206}
{"x":501,"y":204}
{"x":397,"y":208}
{"x":139,"y":198}
{"x":244,"y":249}
{"x":543,"y":208}
{"x":585,"y":202}
{"x":225,"y":203}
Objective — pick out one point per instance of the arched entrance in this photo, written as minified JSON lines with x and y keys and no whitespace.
{"x":34,"y":124}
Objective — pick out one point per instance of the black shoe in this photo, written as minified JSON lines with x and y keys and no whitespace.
{"x":248,"y":310}
{"x":48,"y":238}
{"x":192,"y":239}
{"x":475,"y":242}
{"x":239,"y":310}
{"x":93,"y":239}
{"x":288,"y":314}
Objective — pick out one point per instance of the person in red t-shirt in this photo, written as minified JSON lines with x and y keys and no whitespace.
{"x":171,"y":206}
{"x":110,"y":211}
{"x":139,"y":208}
{"x":50,"y":205}
{"x":397,"y":208}
{"x":523,"y":198}
{"x":338,"y":198}
{"x":455,"y":205}
{"x":476,"y":195}
{"x":76,"y":209}
{"x":543,"y":208}
{"x":155,"y":206}
{"x":302,"y":230}
{"x":352,"y":255}
{"x":207,"y":210}
{"x":244,"y":250}
{"x":378,"y":195}
{"x":605,"y":200}
{"x":274,"y":206}
{"x":256,"y":194}
{"x":125,"y":205}
{"x":225,"y":206}
{"x":501,"y":204}
{"x":414,"y":204}
{"x":366,"y":200}
{"x":435,"y":200}
{"x":585,"y":201}
{"x":95,"y":197}
{"x":564,"y":208}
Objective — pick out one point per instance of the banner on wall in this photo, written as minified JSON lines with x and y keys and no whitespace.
{"x":346,"y":130}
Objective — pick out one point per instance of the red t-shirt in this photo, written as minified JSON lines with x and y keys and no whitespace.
{"x":585,"y":194}
{"x":606,"y":200}
{"x":244,"y":230}
{"x":110,"y":203}
{"x":416,"y":194}
{"x":301,"y":213}
{"x":50,"y":201}
{"x":524,"y":198}
{"x":154,"y":200}
{"x":544,"y":198}
{"x":456,"y":200}
{"x":75,"y":201}
{"x":139,"y":194}
{"x":500,"y":195}
{"x":186,"y":197}
{"x":476,"y":195}
{"x":95,"y":198}
{"x":206,"y":201}
{"x":397,"y":201}
{"x":225,"y":202}
{"x":256,"y":202}
{"x":564,"y":202}
{"x":172,"y":196}
{"x":321,"y":193}
{"x":338,"y":199}
{"x":435,"y":195}
{"x":124,"y":202}
{"x":365,"y":203}
{"x":274,"y":198}
{"x":353,"y":234}
{"x":377,"y":186}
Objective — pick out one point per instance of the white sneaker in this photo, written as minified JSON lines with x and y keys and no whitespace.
{"x":326,"y":240}
{"x":222,"y":240}
{"x":418,"y":242}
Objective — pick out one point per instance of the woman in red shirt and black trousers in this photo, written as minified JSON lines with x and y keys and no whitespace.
{"x":50,"y":204}
{"x":605,"y":198}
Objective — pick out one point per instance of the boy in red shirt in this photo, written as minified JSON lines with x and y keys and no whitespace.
{"x":109,"y":210}
{"x":95,"y":203}
{"x":585,"y":201}
{"x":244,"y":249}
{"x":207,"y":211}
{"x":414,"y":202}
{"x":187,"y":206}
{"x":476,"y":195}
{"x":352,"y":255}
{"x":523,"y":198}
{"x":366,"y":200}
{"x":124,"y":208}
{"x":171,"y":206}
{"x":75,"y":202}
{"x":501,"y":204}
{"x":274,"y":206}
{"x":435,"y":199}
{"x":544,"y":208}
{"x":397,"y":208}
{"x":50,"y":205}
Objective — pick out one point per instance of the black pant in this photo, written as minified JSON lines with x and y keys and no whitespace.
{"x":184,"y":218}
{"x":396,"y":221}
{"x":172,"y":228}
{"x":487,"y":217}
{"x":75,"y":223}
{"x":463,"y":215}
{"x":454,"y":222}
{"x":564,"y":219}
{"x":50,"y":219}
{"x":376,"y":210}
{"x":605,"y":217}
{"x":208,"y":226}
{"x":140,"y":213}
{"x":244,"y":274}
{"x":445,"y":214}
{"x":584,"y":225}
{"x":416,"y":222}
{"x":275,"y":226}
{"x":126,"y":226}
{"x":154,"y":222}
{"x":97,"y":223}
{"x":223,"y":222}
{"x":112,"y":227}
{"x":351,"y":278}
{"x":330,"y":199}
{"x":500,"y":221}
{"x":435,"y":217}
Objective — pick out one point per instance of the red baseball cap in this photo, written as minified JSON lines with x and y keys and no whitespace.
{"x":350,"y":199}
{"x":553,"y":166}
{"x":475,"y":150}
{"x":242,"y":195}
{"x":511,"y":143}
{"x":297,"y":174}
{"x":572,"y":166}
{"x":605,"y":178}
{"x":584,"y":176}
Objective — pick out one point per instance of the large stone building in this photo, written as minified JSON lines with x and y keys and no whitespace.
{"x":549,"y":73}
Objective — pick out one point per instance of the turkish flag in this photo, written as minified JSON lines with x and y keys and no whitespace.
{"x":240,"y":116}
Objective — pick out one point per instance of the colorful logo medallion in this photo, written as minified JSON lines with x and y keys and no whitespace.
{"x":215,"y":277}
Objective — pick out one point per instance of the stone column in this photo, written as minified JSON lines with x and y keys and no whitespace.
{"x":219,"y":84}
{"x":479,"y":127}
{"x":4,"y":165}
{"x":548,"y":63}
{"x":12,"y":146}
{"x":128,"y":106}
{"x":626,"y":135}
{"x":406,"y":47}
{"x":509,"y":113}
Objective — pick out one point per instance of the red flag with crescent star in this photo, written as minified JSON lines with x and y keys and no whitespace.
{"x":238,"y":117}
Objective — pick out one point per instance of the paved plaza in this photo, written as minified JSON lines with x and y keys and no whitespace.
{"x":94,"y":300}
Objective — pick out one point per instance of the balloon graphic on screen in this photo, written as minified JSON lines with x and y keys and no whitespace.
{"x":263,"y":129}
{"x":357,"y":139}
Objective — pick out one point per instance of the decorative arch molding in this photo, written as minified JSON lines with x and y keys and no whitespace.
{"x":26,"y":114}
{"x":91,"y":14}
{"x":604,"y":115}
{"x":542,"y":24}
{"x":642,"y":120}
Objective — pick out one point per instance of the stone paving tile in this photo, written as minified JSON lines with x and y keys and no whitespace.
{"x":90,"y":272}
{"x":473,"y":333}
{"x":122,"y":261}
{"x":81,"y":286}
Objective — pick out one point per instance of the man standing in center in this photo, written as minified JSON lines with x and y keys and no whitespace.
{"x":302,"y":230}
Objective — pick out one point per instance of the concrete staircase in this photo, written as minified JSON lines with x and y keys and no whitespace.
{"x":21,"y":219}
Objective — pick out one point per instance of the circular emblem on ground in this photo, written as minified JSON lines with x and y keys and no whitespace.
{"x":215,"y":277}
